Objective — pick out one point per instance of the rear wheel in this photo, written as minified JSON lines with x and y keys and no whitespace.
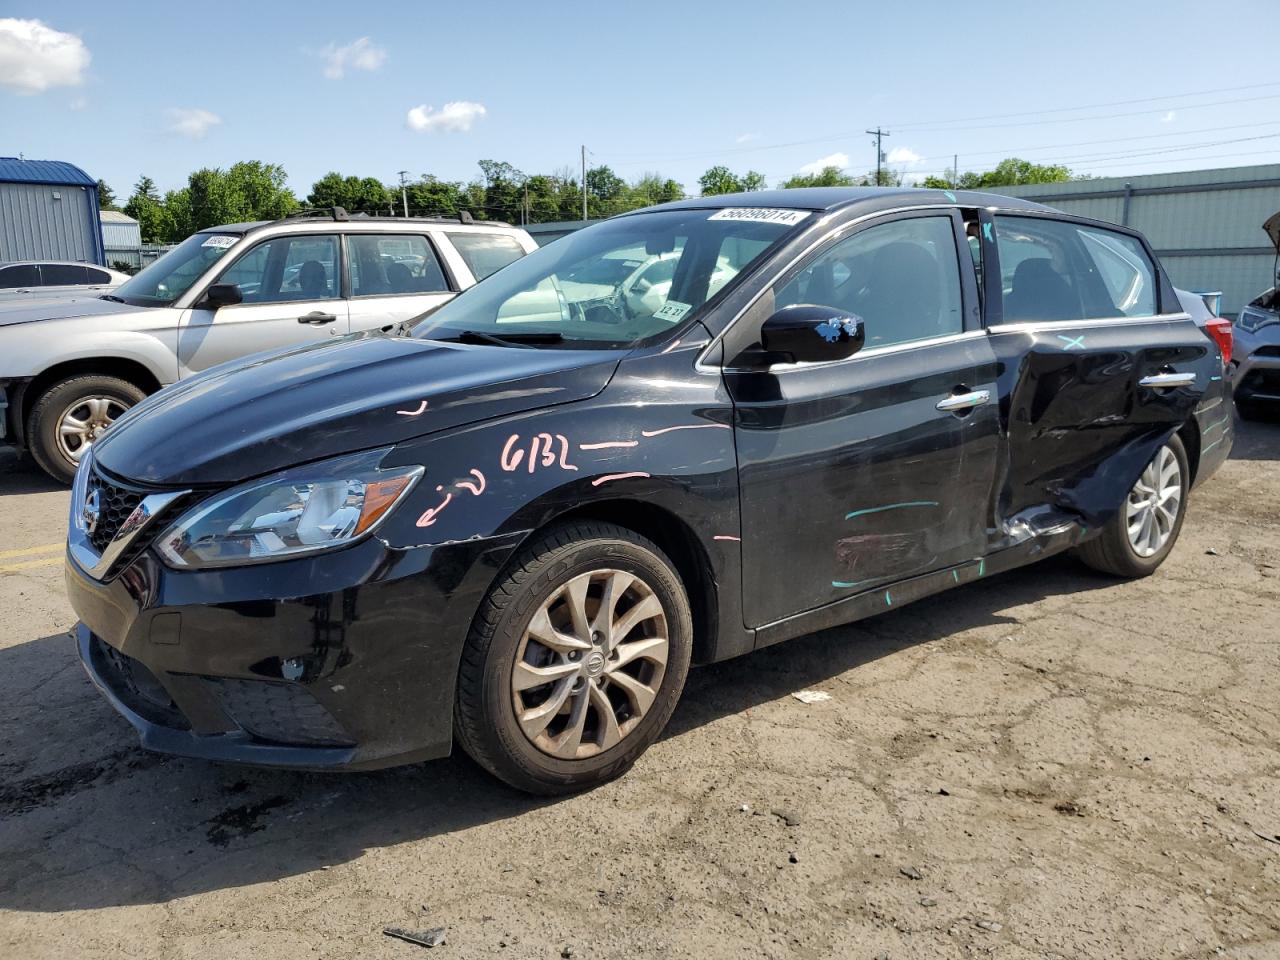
{"x":70,"y":415}
{"x":1140,"y":536}
{"x":575,"y":661}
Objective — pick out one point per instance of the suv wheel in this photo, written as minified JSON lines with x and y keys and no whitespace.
{"x":575,"y":660}
{"x":70,"y":415}
{"x":1140,"y":536}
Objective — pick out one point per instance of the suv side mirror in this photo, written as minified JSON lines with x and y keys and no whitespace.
{"x":807,"y":332}
{"x":222,"y":295}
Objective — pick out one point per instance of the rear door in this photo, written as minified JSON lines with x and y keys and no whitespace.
{"x":861,"y":472}
{"x":393,"y":277}
{"x":1100,"y":365}
{"x":292,"y":290}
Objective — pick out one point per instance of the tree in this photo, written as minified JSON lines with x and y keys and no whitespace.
{"x":655,"y":188}
{"x":826,"y":177}
{"x":1008,"y":172}
{"x":353,"y":194}
{"x":106,"y":196}
{"x":884,"y":177}
{"x":721,"y":179}
{"x":432,"y":197}
{"x":147,"y":208}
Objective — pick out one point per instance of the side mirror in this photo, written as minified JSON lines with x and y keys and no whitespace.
{"x":806,"y":332}
{"x":222,"y":295}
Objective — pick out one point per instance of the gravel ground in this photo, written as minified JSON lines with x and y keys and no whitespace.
{"x":1045,"y":764}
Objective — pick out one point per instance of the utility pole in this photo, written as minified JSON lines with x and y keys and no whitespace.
{"x":955,"y":170}
{"x":584,"y":181}
{"x":404,"y":195}
{"x":878,"y":133}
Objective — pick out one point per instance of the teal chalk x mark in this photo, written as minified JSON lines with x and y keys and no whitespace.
{"x":1072,"y":343}
{"x":1214,"y":426}
{"x":986,"y":232}
{"x":891,"y":506}
{"x":1215,"y":378}
{"x":955,"y":575}
{"x":949,"y":195}
{"x":845,"y":585}
{"x":888,"y":599}
{"x":982,"y":567}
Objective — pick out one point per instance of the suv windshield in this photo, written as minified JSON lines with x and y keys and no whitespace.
{"x":615,"y":283}
{"x":162,"y":282}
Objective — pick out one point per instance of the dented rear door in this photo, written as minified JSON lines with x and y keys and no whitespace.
{"x":1098,"y":367}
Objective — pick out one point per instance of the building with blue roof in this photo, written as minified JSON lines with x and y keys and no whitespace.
{"x":48,"y":211}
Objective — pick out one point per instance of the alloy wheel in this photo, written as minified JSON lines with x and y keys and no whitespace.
{"x":590,"y":664}
{"x":1151,"y":510}
{"x":83,"y":421}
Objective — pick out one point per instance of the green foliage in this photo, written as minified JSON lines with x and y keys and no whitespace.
{"x":826,"y":177}
{"x":720,"y":179}
{"x":106,"y":196}
{"x":354,"y":194}
{"x":146,"y":206}
{"x":1008,"y":172}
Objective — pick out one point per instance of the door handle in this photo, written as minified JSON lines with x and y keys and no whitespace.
{"x":317,"y":318}
{"x":1160,"y":381}
{"x":963,"y":401}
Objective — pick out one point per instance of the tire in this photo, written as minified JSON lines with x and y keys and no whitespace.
{"x":111,"y":396}
{"x":1114,"y":550}
{"x":583,"y":560}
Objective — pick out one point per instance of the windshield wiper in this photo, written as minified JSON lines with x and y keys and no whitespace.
{"x":526,"y":340}
{"x":112,"y":297}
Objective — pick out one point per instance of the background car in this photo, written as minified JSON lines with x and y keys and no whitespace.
{"x":1256,"y":368}
{"x":69,"y":368}
{"x":38,"y":279}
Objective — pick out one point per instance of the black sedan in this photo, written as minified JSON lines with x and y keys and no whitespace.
{"x":517,"y":522}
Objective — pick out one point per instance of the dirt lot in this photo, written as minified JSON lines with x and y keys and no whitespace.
{"x":1047,"y":764}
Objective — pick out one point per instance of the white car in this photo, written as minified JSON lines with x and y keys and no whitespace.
{"x":69,"y":368}
{"x":45,"y":279}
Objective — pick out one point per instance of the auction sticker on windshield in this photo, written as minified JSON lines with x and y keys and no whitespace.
{"x":219,"y":240}
{"x":760,"y":215}
{"x":672,"y":310}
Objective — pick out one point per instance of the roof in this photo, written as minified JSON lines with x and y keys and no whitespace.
{"x":115,"y":216}
{"x":830,"y":198}
{"x":58,"y":172}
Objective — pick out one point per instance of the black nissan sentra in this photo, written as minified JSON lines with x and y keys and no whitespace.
{"x":673,"y":437}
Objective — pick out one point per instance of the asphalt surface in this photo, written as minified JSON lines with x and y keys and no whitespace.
{"x":1045,"y":764}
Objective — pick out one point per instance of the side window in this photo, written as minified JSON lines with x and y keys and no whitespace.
{"x":23,"y":275}
{"x":388,"y":264}
{"x":1053,"y":270}
{"x":287,"y":268}
{"x":486,"y":253}
{"x":61,"y":274}
{"x":902,"y":278}
{"x":96,"y":276}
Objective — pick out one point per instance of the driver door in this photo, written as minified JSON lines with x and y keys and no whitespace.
{"x":292,"y":290}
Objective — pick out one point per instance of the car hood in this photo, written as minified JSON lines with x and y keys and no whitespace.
{"x":59,"y":308}
{"x":253,"y":417}
{"x":1272,"y":227}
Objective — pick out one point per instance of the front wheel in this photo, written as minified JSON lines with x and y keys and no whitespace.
{"x":70,"y":415}
{"x":575,"y":661}
{"x":1140,"y":536}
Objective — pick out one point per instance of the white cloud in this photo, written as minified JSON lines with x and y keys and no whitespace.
{"x":747,"y":137}
{"x":455,"y":117}
{"x":1169,"y":117}
{"x":34,"y":57}
{"x":358,"y":55}
{"x":904,"y":155}
{"x":840,"y":160}
{"x":78,"y":103}
{"x":192,"y":122}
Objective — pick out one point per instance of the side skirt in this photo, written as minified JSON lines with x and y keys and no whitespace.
{"x":887,"y":597}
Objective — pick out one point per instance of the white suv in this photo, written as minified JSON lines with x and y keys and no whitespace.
{"x":69,"y":368}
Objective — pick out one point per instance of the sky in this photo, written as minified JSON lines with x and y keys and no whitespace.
{"x":1108,"y":88}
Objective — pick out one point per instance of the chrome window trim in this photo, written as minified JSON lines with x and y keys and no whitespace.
{"x":1027,"y":326}
{"x":866,"y":352}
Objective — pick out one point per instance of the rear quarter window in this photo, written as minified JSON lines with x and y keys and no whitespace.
{"x":486,"y":253}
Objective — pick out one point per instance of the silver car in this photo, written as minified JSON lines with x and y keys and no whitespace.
{"x":1256,"y":356}
{"x":69,"y":368}
{"x":42,"y":279}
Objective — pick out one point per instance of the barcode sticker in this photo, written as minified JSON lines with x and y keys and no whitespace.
{"x":761,"y":215}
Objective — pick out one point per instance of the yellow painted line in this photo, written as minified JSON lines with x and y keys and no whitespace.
{"x":27,"y":551}
{"x":28,"y":564}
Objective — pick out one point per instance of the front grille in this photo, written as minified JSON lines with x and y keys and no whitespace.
{"x":115,"y":504}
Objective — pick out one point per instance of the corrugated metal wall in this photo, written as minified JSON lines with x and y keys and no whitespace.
{"x":36,"y":226}
{"x":121,"y":236}
{"x":1206,"y":225}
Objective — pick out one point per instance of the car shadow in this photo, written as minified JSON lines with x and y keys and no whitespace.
{"x":20,"y":474}
{"x":1256,"y":439}
{"x":89,"y":820}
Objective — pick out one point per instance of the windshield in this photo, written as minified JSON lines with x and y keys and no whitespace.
{"x":162,"y":282}
{"x":615,"y":283}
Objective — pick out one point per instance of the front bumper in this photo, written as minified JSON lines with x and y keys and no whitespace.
{"x":344,"y":660}
{"x":1256,"y":378}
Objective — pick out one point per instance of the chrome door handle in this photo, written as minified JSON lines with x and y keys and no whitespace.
{"x":964,"y":401}
{"x":1166,"y":380}
{"x":317,"y":318}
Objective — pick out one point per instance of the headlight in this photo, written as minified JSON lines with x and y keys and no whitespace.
{"x":305,"y":510}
